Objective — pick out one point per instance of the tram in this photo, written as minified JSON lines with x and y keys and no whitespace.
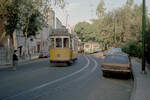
{"x":91,"y":47}
{"x":63,"y":47}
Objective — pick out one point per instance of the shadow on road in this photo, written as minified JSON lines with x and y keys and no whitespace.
{"x":10,"y":69}
{"x":120,"y":77}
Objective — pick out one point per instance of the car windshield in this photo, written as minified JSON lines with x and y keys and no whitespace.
{"x":114,"y":50}
{"x":116,"y":59}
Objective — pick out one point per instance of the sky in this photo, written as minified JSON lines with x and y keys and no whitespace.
{"x":81,"y":10}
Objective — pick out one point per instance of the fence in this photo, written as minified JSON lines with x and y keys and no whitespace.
{"x":5,"y":56}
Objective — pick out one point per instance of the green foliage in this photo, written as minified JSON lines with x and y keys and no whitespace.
{"x":35,"y":23}
{"x":133,"y":49}
{"x":86,"y":31}
{"x":81,"y":29}
{"x":12,"y":14}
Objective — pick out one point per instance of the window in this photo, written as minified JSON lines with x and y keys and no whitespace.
{"x":66,"y":42}
{"x":116,"y":59}
{"x":58,"y":42}
{"x":52,"y":43}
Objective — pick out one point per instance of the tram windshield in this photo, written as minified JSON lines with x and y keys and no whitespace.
{"x":58,"y":42}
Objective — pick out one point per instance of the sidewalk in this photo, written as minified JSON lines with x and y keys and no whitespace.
{"x":21,"y":61}
{"x":141,"y":89}
{"x":28,"y":59}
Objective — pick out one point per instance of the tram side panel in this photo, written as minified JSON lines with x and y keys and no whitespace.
{"x":74,"y":49}
{"x":60,"y":55}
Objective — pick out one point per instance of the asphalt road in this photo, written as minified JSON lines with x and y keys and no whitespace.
{"x":82,"y":80}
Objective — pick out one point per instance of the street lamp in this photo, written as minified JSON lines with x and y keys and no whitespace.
{"x":143,"y":36}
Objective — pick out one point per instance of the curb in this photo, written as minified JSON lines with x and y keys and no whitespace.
{"x":134,"y":85}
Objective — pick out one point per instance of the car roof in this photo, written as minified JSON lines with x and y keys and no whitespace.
{"x":118,"y":54}
{"x":118,"y":59}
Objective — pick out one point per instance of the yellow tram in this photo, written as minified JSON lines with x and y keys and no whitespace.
{"x":63,"y":46}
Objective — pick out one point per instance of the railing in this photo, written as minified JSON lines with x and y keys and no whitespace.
{"x":5,"y":56}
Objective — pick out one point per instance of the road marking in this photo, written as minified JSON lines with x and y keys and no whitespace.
{"x":96,"y":64}
{"x":52,"y":82}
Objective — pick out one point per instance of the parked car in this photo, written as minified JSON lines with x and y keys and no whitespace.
{"x":44,"y":54}
{"x":116,"y":64}
{"x":112,"y":51}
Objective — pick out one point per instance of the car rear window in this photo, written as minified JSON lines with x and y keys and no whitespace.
{"x":114,"y":50}
{"x":116,"y":59}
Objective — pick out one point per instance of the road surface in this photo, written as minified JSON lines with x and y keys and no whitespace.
{"x":82,"y":80}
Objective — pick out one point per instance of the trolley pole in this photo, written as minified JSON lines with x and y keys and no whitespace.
{"x":143,"y":36}
{"x":67,"y":20}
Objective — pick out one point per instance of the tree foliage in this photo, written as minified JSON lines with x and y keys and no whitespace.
{"x":35,"y":23}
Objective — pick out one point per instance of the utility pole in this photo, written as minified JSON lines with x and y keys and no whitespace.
{"x":143,"y":36}
{"x":115,"y":31}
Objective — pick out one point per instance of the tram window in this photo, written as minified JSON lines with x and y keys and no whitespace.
{"x":59,"y":42}
{"x":87,"y":46}
{"x":66,"y":43}
{"x":52,"y":43}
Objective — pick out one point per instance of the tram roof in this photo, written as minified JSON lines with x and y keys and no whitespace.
{"x":62,"y":32}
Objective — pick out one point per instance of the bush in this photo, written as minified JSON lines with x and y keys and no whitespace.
{"x":133,"y":49}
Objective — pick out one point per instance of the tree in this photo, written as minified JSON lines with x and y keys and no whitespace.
{"x":36,"y":23}
{"x":100,"y":11}
{"x":81,"y":29}
{"x":12,"y":17}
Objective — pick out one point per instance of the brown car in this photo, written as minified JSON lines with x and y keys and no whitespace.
{"x":116,"y":64}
